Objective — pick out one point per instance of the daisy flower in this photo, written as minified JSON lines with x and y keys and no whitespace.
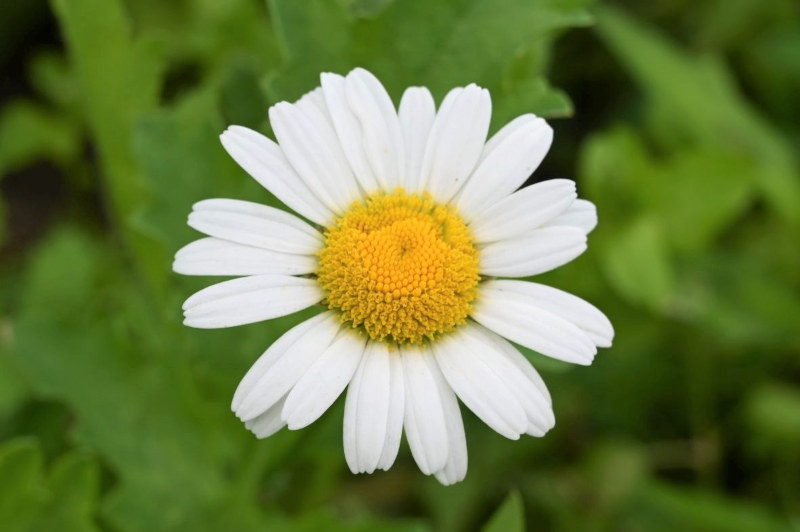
{"x":410,"y":224}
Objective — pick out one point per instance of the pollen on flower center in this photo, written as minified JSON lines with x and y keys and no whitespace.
{"x":402,"y":267}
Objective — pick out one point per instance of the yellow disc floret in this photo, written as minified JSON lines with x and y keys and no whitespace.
{"x":402,"y":267}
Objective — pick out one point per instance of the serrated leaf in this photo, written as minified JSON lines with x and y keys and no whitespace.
{"x":313,"y":38}
{"x":126,"y":410}
{"x":199,"y":36}
{"x":440,"y":45}
{"x":126,"y":373}
{"x":178,"y":149}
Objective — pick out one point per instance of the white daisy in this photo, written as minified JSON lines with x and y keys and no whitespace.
{"x":414,"y":218}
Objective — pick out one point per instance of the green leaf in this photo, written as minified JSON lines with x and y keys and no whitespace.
{"x":774,"y":69}
{"x":241,"y":98}
{"x":47,"y":293}
{"x":500,"y":45}
{"x":315,"y":520}
{"x":102,"y":377}
{"x":65,"y":501}
{"x":313,"y":37}
{"x":178,"y":148}
{"x":3,"y":226}
{"x":200,"y":37}
{"x":365,"y":8}
{"x":51,"y":76}
{"x":615,"y":167}
{"x":509,"y":517}
{"x":21,"y":492}
{"x":132,"y":376}
{"x":638,"y":265}
{"x":73,"y":488}
{"x":13,"y":387}
{"x":29,"y":132}
{"x":615,"y":471}
{"x":696,"y":99}
{"x":739,"y":300}
{"x":119,"y":77}
{"x":671,"y":508}
{"x":698,"y":194}
{"x":773,"y":412}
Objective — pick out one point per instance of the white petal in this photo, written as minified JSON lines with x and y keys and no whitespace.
{"x":394,"y":423}
{"x":456,"y":467}
{"x":518,"y":359}
{"x":417,"y":112}
{"x":324,"y":381}
{"x":518,"y":123}
{"x":263,"y":159}
{"x":367,"y":410}
{"x":540,"y":251}
{"x":463,"y":363}
{"x":256,"y":225}
{"x":249,"y":300}
{"x":213,"y":256}
{"x":282,"y":365}
{"x":508,"y":159}
{"x":516,"y":377}
{"x":271,"y":355}
{"x":307,"y":137}
{"x":425,"y":424}
{"x":564,"y":305}
{"x":267,"y":423}
{"x":523,"y":211}
{"x":380,"y":128}
{"x":456,"y":141}
{"x":537,"y":329}
{"x":254,"y":209}
{"x":349,"y":423}
{"x":348,"y":129}
{"x":581,"y":214}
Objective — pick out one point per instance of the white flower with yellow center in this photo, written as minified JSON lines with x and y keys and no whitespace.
{"x":415,"y":219}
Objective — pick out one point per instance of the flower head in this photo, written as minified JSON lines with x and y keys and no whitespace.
{"x":404,"y":268}
{"x":415,"y":219}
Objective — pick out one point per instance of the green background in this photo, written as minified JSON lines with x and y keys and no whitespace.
{"x":679,"y":119}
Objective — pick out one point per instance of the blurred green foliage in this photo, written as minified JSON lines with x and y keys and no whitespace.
{"x":682,"y":130}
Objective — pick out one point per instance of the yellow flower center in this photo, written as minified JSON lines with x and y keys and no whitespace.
{"x":402,"y":267}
